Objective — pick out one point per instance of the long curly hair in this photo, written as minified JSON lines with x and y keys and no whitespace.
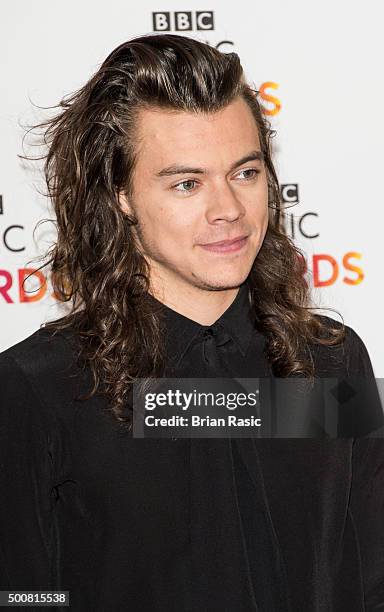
{"x":95,"y":266}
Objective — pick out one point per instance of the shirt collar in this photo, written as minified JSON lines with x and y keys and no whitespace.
{"x":238,"y":321}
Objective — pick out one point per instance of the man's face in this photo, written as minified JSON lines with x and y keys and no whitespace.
{"x":215,"y":196}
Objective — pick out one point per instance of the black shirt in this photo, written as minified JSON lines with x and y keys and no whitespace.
{"x":184,"y":524}
{"x":231,"y":347}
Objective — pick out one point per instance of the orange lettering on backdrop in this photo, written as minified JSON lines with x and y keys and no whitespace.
{"x":316,"y":280}
{"x":268,"y":98}
{"x":26,"y":296}
{"x":8,"y":284}
{"x":348,"y":266}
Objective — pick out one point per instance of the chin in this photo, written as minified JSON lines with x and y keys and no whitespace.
{"x":225,"y":281}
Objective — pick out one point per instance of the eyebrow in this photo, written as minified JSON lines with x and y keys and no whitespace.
{"x":178,"y":169}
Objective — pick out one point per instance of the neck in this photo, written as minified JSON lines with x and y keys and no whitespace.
{"x":204,"y":306}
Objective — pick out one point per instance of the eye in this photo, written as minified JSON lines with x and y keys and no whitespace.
{"x":255,"y":170}
{"x":189,"y":181}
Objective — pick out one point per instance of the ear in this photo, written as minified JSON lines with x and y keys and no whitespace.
{"x":124,"y":203}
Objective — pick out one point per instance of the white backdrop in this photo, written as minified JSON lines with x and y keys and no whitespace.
{"x":319,"y":67}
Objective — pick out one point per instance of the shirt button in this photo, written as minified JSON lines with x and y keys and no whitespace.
{"x":208,"y":332}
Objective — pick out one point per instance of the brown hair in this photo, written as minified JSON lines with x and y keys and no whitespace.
{"x":94,"y":263}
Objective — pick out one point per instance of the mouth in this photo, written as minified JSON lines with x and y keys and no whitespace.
{"x":226,"y":246}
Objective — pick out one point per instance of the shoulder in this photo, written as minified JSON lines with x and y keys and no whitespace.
{"x":41,"y":368}
{"x":39,"y":353}
{"x":350,"y":357}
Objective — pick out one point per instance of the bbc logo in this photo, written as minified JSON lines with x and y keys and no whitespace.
{"x":290,"y":193}
{"x":182,"y":21}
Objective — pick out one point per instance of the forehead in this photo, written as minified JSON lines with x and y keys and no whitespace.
{"x":169,"y":136}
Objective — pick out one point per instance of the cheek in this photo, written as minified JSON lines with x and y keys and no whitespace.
{"x":168,"y":225}
{"x":257,"y":208}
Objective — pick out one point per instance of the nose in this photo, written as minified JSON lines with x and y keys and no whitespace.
{"x":224,"y":204}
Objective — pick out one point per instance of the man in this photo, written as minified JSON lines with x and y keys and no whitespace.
{"x":171,"y":250}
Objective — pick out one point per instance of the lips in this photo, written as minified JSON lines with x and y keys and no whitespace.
{"x":226,"y":247}
{"x":225,"y":242}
